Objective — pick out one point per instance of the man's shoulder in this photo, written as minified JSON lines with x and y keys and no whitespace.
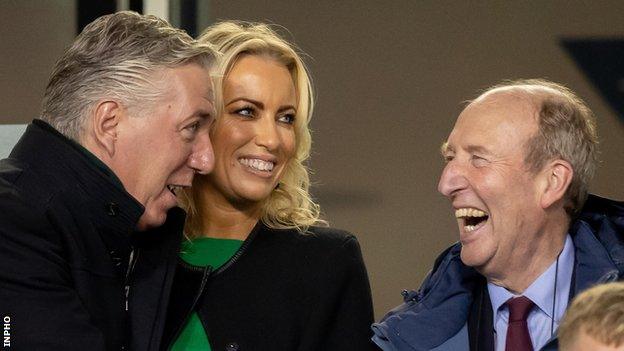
{"x":23,"y":185}
{"x":437,"y":311}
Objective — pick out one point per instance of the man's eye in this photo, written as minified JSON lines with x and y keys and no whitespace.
{"x":478,"y":160}
{"x":288,"y":118}
{"x":448,"y":158}
{"x":193,"y":127}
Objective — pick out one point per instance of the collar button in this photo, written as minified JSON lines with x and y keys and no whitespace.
{"x":112,"y":209}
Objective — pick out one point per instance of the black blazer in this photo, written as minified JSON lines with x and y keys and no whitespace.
{"x":282,"y":290}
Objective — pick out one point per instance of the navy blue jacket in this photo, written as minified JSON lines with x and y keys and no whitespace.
{"x":436,"y":316}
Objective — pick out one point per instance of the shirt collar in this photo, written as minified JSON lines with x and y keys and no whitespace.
{"x":542,"y":290}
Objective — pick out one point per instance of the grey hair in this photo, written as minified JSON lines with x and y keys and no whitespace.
{"x":119,"y":56}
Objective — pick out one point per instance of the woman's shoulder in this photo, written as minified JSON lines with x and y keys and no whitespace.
{"x":317,"y":237}
{"x":329,"y":234}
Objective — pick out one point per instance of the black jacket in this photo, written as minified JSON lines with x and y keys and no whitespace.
{"x":282,"y":290}
{"x":66,"y":238}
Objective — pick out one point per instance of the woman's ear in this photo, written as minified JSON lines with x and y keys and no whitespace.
{"x":558,"y":176}
{"x":105,"y":122}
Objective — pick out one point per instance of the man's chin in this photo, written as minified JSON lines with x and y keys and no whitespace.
{"x":151,"y":220}
{"x":471,"y":258}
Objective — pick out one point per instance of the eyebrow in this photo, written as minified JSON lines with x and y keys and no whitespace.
{"x":204,"y":114}
{"x":478,"y":148}
{"x":445,"y":147}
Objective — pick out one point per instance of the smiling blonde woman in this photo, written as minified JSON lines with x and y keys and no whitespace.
{"x":257,"y":274}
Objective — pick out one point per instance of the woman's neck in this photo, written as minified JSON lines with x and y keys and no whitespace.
{"x":219,"y":218}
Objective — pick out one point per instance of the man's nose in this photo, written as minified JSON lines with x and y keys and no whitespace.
{"x":202,"y":157}
{"x":453,"y":179}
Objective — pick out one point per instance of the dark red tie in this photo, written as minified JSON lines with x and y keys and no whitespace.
{"x":518,"y":338}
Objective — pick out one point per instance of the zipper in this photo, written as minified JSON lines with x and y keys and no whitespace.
{"x":241,"y":250}
{"x":134,"y":255}
{"x":207,"y":273}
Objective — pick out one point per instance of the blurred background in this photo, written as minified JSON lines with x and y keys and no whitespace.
{"x":390,"y":79}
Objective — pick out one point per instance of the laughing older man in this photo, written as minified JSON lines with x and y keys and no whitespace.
{"x":518,"y":165}
{"x":89,"y":188}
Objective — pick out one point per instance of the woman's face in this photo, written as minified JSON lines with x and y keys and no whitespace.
{"x":254,"y":138}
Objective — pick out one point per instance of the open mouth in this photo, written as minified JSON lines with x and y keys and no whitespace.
{"x":472,"y":218}
{"x":174,"y":189}
{"x":257,"y":164}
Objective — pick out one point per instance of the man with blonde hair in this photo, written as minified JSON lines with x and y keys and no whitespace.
{"x":595,"y":320}
{"x":87,"y":196}
{"x":518,"y":165}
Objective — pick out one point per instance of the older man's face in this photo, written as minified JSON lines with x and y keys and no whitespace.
{"x":494,"y":197}
{"x":159,"y":153}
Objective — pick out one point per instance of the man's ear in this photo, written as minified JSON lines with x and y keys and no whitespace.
{"x":105,"y":122}
{"x":558,"y":176}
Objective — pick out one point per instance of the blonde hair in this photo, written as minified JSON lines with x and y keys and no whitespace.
{"x":598,"y":312}
{"x":566,"y":130}
{"x":116,"y":56}
{"x":290,"y":204}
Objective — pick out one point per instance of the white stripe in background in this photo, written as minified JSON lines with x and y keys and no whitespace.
{"x":9,"y":135}
{"x":158,"y":8}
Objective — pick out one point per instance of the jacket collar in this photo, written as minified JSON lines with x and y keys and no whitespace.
{"x":68,"y":171}
{"x":436,"y":312}
{"x":598,"y":236}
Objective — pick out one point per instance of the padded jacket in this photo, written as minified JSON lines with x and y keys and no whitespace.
{"x":437,"y":315}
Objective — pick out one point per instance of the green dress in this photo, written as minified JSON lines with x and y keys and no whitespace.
{"x":202,"y":252}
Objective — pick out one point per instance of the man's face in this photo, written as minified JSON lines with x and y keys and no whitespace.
{"x":159,"y":152}
{"x":494,"y":196}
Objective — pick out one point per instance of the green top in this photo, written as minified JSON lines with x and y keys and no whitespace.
{"x":202,"y":252}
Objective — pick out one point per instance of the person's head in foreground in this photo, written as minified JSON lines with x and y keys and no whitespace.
{"x":260,"y":134}
{"x":518,"y":164}
{"x":595,"y":320}
{"x":136,"y":93}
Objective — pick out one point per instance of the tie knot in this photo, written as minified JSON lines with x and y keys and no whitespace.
{"x":519,"y":308}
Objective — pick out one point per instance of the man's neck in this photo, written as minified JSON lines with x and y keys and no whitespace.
{"x":520,"y":271}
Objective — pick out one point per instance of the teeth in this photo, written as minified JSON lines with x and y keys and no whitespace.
{"x":255,"y":163}
{"x":469,"y":228}
{"x":469,"y":212}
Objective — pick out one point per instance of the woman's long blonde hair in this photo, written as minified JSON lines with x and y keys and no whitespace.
{"x":290,"y":204}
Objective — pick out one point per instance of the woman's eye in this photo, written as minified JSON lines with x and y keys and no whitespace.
{"x":288,"y":119}
{"x":247,"y":111}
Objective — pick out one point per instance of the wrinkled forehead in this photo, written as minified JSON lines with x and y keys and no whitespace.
{"x":496,"y":119}
{"x":503,"y":105}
